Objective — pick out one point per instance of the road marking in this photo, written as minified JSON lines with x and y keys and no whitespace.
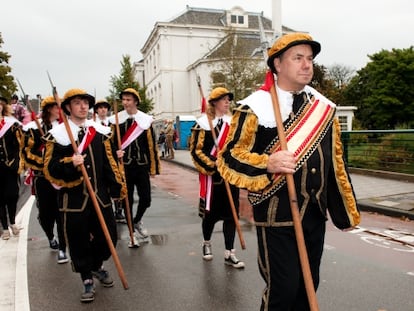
{"x":22,"y":290}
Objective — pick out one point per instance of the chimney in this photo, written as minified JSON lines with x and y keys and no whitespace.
{"x":277,"y":18}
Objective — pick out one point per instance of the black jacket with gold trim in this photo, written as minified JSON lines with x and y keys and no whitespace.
{"x":11,"y":145}
{"x":201,"y":144}
{"x":34,"y":144}
{"x":321,"y":177}
{"x":100,"y":163}
{"x":144,"y":149}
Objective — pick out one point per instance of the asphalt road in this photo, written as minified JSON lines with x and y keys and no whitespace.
{"x":168,"y":273}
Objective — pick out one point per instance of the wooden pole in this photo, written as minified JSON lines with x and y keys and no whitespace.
{"x":127,"y":210}
{"x":300,"y":240}
{"x":30,"y":108}
{"x":92,"y":196}
{"x":229,"y":194}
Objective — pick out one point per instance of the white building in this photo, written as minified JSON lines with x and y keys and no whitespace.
{"x":179,"y":50}
{"x":182,"y":48}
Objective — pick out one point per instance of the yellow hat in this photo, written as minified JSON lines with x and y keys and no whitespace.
{"x":131,"y":91}
{"x":219,"y":93}
{"x":72,"y":93}
{"x":101,"y":103}
{"x":287,"y":41}
{"x":49,"y":100}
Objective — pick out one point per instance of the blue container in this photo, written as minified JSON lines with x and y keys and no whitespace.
{"x":183,"y":125}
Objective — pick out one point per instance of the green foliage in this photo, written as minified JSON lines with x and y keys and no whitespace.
{"x":383,"y":90}
{"x":7,"y":84}
{"x":238,"y":71}
{"x":126,"y":79}
{"x":380,"y":151}
{"x":322,"y":83}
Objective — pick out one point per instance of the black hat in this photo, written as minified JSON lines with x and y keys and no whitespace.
{"x":101,"y":103}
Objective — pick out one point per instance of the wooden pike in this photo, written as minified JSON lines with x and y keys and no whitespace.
{"x":127,"y":210}
{"x":297,"y":224}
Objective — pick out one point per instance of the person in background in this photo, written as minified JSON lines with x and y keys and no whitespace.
{"x":140,"y":154}
{"x":46,"y":194}
{"x":169,"y":139}
{"x":11,"y":166}
{"x":161,"y":143}
{"x":87,"y":244}
{"x":214,"y":202}
{"x":101,"y":109}
{"x":251,"y":158}
{"x":19,"y":111}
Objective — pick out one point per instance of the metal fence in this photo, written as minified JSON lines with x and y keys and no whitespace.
{"x":387,"y":150}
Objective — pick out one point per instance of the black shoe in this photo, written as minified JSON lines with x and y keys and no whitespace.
{"x":120,"y":218}
{"x":230,"y":259}
{"x":207,"y":253}
{"x":54,"y":245}
{"x":88,"y":294}
{"x":103,"y":277}
{"x":62,"y":258}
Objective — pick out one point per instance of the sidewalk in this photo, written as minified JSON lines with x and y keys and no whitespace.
{"x":388,"y":195}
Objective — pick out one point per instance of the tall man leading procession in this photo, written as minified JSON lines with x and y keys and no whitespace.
{"x":140,"y":154}
{"x":252,"y":159}
{"x":86,"y":241}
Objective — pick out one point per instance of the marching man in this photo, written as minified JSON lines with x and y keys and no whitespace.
{"x":140,"y":154}
{"x":87,"y":244}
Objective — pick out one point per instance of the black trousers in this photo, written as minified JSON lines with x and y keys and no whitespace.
{"x":47,"y":204}
{"x":279,"y":263}
{"x":87,"y":244}
{"x":221,"y":210}
{"x":137,"y":176}
{"x":9,"y":195}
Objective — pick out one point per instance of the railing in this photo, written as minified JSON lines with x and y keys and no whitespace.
{"x":387,"y":150}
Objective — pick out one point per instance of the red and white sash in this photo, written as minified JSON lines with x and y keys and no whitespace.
{"x":206,"y":189}
{"x":5,"y":124}
{"x":221,"y":139}
{"x":131,"y":134}
{"x":87,"y":139}
{"x":206,"y":181}
{"x":305,"y":133}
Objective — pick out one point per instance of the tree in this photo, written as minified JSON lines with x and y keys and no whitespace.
{"x":340,"y":75}
{"x":383,"y":90}
{"x":7,"y":84}
{"x":237,"y":69}
{"x":126,"y":79}
{"x":322,"y":83}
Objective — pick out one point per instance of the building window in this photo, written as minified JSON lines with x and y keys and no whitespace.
{"x":237,"y":19}
{"x":343,"y":121}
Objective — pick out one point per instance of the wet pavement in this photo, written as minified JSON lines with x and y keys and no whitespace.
{"x":384,"y":193}
{"x":167,"y":271}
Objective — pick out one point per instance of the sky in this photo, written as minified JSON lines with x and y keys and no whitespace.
{"x":81,"y":42}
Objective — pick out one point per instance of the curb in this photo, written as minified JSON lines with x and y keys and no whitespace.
{"x":383,"y":210}
{"x":363,"y":205}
